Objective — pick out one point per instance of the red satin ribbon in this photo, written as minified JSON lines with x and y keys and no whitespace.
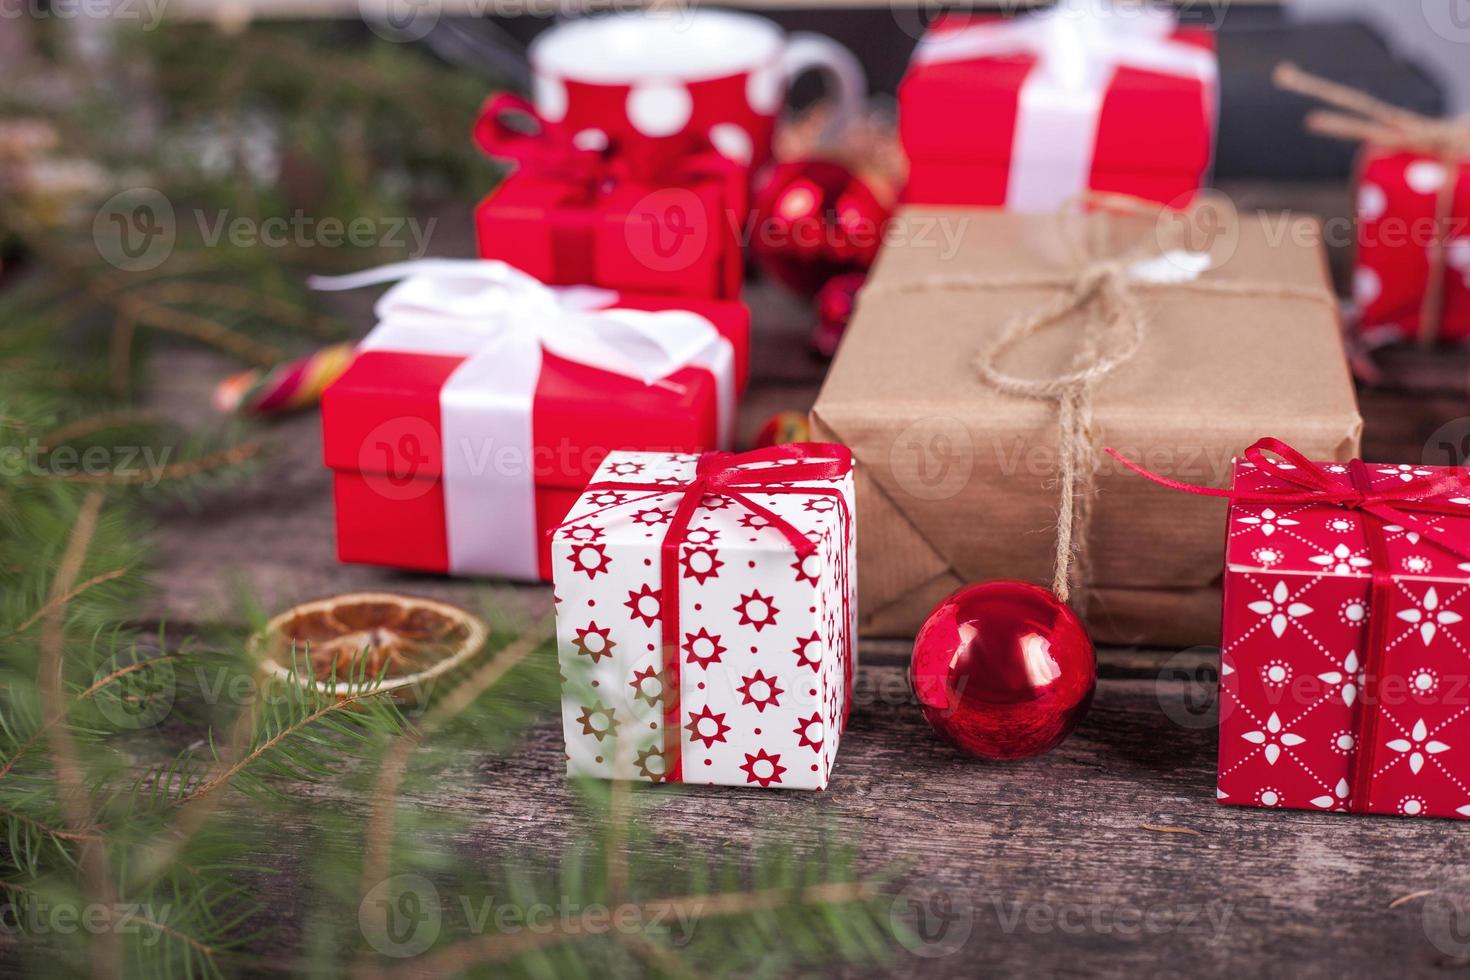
{"x":729,"y":475}
{"x":510,"y":128}
{"x":1394,"y":505}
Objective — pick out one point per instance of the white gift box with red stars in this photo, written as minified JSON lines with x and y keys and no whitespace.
{"x":744,"y":678}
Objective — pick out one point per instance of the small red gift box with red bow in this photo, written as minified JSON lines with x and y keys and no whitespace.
{"x":1412,"y":280}
{"x":1346,"y":641}
{"x":1027,"y":112}
{"x":475,"y":412}
{"x":642,"y":219}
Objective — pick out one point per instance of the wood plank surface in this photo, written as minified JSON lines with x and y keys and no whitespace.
{"x":1047,"y":867}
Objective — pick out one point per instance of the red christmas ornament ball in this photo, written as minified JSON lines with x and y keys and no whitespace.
{"x":835,"y":302}
{"x":814,"y":220}
{"x":1004,"y":670}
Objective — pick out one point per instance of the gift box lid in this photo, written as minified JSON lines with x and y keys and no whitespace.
{"x":1321,"y":539}
{"x":579,"y":415}
{"x":1156,"y":122}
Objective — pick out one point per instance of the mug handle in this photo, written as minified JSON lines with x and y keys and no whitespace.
{"x":846,"y":80}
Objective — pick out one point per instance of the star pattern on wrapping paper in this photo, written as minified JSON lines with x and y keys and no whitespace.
{"x":808,"y":568}
{"x":1268,"y":523}
{"x":763,"y":768}
{"x":648,"y":686}
{"x":594,"y":641}
{"x":755,"y":521}
{"x":1406,"y":472}
{"x":760,"y":690}
{"x":701,"y":564}
{"x":591,"y":559}
{"x":704,"y":648}
{"x":608,"y":498}
{"x":598,"y":720}
{"x":1341,"y":561}
{"x":707,"y":726}
{"x":820,"y":505}
{"x":811,"y":731}
{"x":714,"y":501}
{"x":652,"y":517}
{"x":808,"y":652}
{"x":645,"y":603}
{"x":1427,"y":616}
{"x":701,"y":536}
{"x":652,"y":765}
{"x":1350,"y":677}
{"x":1418,"y":746}
{"x":582,"y":533}
{"x":756,"y":610}
{"x":1274,"y":739}
{"x":1279,"y":609}
{"x":625,"y":467}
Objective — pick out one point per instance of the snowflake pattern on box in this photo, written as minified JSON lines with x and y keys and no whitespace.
{"x":763,"y":683}
{"x":1298,"y":584}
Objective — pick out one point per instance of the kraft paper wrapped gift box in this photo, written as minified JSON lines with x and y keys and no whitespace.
{"x":957,"y":480}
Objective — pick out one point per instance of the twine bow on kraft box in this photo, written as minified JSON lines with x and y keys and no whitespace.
{"x":1030,"y":342}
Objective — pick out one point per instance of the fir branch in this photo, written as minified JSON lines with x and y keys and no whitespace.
{"x":63,"y":600}
{"x":92,"y":424}
{"x":173,"y":472}
{"x":106,"y":950}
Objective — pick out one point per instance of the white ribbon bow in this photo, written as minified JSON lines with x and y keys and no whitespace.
{"x":500,"y":320}
{"x":1078,"y":46}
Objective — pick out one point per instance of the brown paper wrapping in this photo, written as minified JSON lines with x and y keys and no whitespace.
{"x":957,"y":481}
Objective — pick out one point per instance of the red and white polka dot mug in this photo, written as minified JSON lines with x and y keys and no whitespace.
{"x":672,"y":75}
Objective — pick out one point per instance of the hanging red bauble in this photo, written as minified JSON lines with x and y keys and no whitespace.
{"x":1004,"y":670}
{"x":815,"y":219}
{"x":835,"y":302}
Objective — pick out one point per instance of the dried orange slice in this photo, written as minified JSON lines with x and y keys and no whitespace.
{"x":372,"y":640}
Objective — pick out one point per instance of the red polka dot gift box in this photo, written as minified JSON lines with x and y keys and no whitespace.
{"x":1345,"y":654}
{"x":642,"y":217}
{"x":1027,"y":112}
{"x":475,"y":411}
{"x":705,"y":613}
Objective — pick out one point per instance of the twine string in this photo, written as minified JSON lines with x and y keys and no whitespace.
{"x":1104,"y":292}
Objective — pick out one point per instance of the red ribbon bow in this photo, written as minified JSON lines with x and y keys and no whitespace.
{"x":509,"y":127}
{"x":1396,"y":505}
{"x":733,"y":476}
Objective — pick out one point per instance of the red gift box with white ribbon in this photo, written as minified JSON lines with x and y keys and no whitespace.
{"x":651,"y":218}
{"x":1027,"y":112}
{"x":476,"y":410}
{"x":1345,"y":650}
{"x":705,"y":617}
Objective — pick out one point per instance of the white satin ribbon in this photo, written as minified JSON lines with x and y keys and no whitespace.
{"x":500,"y":320}
{"x":1078,"y":46}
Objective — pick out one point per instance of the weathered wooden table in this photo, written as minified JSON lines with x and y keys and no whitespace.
{"x":1107,"y":856}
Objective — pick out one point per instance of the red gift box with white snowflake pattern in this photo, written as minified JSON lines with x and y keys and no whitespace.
{"x":1296,"y":689}
{"x":757,"y":690}
{"x":1398,"y":196}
